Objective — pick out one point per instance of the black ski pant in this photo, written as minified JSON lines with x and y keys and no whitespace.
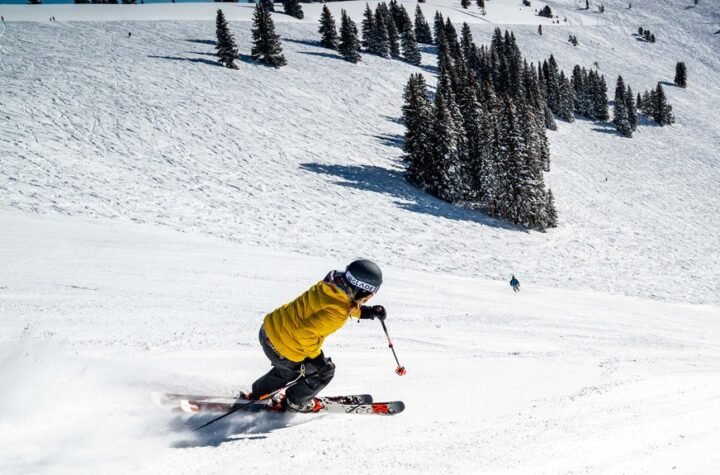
{"x":318,"y":372}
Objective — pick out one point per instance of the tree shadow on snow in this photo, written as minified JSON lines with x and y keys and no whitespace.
{"x":203,"y":42}
{"x":304,"y":42}
{"x":393,"y":183}
{"x":667,"y":83}
{"x":390,"y":140}
{"x":323,"y":55}
{"x":192,"y":60}
{"x":247,"y":426}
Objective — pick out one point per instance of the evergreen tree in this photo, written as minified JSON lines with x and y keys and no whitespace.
{"x":379,"y":41}
{"x":438,"y":27}
{"x":446,"y":182}
{"x":681,"y":74}
{"x":368,"y":26}
{"x":600,"y":98}
{"x":662,"y":111}
{"x":404,"y":22}
{"x":328,"y":29}
{"x":349,"y":44}
{"x":226,"y":48}
{"x":393,"y":38}
{"x":551,"y":212}
{"x":410,"y":49}
{"x":631,"y":109}
{"x":417,"y":117}
{"x":422,"y":28}
{"x":566,"y":105}
{"x":269,"y":5}
{"x":546,"y":12}
{"x":466,"y":41}
{"x":293,"y":8}
{"x":465,"y":3}
{"x":267,"y":48}
{"x":481,"y":6}
{"x":620,"y":115}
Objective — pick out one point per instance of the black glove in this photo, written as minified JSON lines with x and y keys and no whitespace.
{"x":376,"y":311}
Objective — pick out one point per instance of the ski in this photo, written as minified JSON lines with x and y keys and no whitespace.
{"x":196,"y":403}
{"x":332,"y":406}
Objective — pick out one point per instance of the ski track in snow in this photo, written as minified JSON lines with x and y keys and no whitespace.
{"x":154,"y":206}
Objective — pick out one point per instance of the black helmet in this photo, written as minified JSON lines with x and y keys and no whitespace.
{"x":364,"y":278}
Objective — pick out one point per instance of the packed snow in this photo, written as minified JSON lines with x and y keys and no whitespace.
{"x":154,"y":207}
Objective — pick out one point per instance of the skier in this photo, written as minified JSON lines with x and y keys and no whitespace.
{"x":515,"y":284}
{"x":292,"y":335}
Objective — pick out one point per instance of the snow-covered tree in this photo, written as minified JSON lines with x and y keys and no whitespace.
{"x":417,"y":117}
{"x":266,"y":44}
{"x":227,"y":50}
{"x":327,"y":29}
{"x":349,"y":44}
{"x":410,"y":49}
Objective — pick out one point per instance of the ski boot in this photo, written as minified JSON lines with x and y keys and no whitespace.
{"x":313,"y":405}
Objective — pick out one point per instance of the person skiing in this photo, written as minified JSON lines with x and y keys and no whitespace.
{"x":292,"y":336}
{"x":515,"y":284}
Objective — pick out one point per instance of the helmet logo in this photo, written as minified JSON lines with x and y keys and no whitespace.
{"x":360,"y":284}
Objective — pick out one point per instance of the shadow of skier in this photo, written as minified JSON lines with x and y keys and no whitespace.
{"x":250,"y":426}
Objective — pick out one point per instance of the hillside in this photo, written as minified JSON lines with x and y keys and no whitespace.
{"x":154,"y":206}
{"x":208,"y":149}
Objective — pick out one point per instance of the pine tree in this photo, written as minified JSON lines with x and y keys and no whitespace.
{"x":379,"y":41}
{"x":465,"y":3}
{"x":551,"y":211}
{"x":368,"y":26}
{"x":293,"y":8}
{"x":267,"y":48}
{"x":620,"y":115}
{"x":410,"y":49}
{"x":393,"y":38}
{"x":681,"y":74}
{"x":566,"y":105}
{"x":662,"y":111}
{"x":446,"y":180}
{"x":417,"y":117}
{"x":349,"y":44}
{"x":423,"y":34}
{"x":327,"y":29}
{"x":481,"y":6}
{"x":438,"y":27}
{"x":600,"y":100}
{"x":466,"y":41}
{"x":226,"y":48}
{"x":631,"y":109}
{"x":269,"y":5}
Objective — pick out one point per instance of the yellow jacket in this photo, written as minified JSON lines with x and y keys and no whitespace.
{"x":298,"y":329}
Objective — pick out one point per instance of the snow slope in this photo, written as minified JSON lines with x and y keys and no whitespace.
{"x":149,"y":129}
{"x":154,"y":206}
{"x":546,"y":381}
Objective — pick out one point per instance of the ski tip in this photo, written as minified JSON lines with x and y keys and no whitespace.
{"x":189,"y":406}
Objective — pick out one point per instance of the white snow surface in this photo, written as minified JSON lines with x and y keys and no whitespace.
{"x":154,"y":207}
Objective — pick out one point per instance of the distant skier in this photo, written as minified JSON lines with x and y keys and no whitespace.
{"x":129,"y":34}
{"x":515,"y":284}
{"x":292,"y":335}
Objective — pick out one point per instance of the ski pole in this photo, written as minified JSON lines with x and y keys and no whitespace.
{"x":243,"y":406}
{"x":400,"y":370}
